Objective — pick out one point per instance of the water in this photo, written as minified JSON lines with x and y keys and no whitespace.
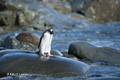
{"x":107,"y":35}
{"x":38,"y":77}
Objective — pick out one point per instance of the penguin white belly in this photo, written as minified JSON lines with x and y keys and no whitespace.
{"x":46,"y":43}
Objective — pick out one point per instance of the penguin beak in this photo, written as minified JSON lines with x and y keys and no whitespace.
{"x":53,"y":33}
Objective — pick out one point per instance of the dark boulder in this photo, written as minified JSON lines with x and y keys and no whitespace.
{"x":33,"y":64}
{"x":16,"y":12}
{"x":88,"y":51}
{"x":12,"y":43}
{"x":98,"y":10}
{"x":7,"y":18}
{"x":29,"y":38}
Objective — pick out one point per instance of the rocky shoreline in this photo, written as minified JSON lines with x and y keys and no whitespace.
{"x":19,"y":51}
{"x":30,"y":41}
{"x":37,"y":15}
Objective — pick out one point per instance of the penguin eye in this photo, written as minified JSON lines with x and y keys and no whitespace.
{"x":51,"y":30}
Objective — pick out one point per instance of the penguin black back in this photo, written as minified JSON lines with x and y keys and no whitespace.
{"x":50,"y":30}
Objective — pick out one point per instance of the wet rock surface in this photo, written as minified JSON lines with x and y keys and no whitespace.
{"x":33,"y":64}
{"x":88,"y":51}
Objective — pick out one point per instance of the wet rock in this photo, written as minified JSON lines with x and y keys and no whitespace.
{"x":22,"y":18}
{"x":14,"y":51}
{"x":65,"y":54}
{"x":56,"y":52}
{"x":7,"y":18}
{"x":1,"y":48}
{"x":29,"y":38}
{"x":88,"y":51}
{"x":12,"y":43}
{"x":32,"y":64}
{"x":77,"y":5}
{"x":23,"y":15}
{"x":105,"y":78}
{"x":97,"y":10}
{"x":6,"y":6}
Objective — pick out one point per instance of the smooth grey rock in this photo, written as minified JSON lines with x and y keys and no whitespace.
{"x":12,"y":51}
{"x":82,"y":50}
{"x":33,"y":64}
{"x":88,"y":51}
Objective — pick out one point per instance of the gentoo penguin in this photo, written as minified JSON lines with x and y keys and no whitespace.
{"x":45,"y":42}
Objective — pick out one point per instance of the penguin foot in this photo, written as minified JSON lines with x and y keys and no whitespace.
{"x":50,"y":55}
{"x":43,"y":55}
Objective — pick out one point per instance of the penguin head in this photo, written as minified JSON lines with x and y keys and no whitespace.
{"x":51,"y":31}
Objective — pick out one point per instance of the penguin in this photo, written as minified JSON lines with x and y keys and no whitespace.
{"x":45,"y":42}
